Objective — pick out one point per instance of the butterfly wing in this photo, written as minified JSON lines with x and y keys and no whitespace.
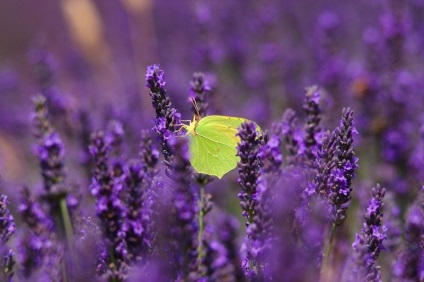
{"x":213,"y":147}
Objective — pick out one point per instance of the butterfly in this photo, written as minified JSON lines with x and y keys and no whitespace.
{"x":213,"y":143}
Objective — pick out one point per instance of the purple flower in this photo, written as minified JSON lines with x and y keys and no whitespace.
{"x":168,"y":120}
{"x":321,"y":184}
{"x":345,"y":166}
{"x":35,"y":246}
{"x":106,"y":187}
{"x":312,"y":124}
{"x":184,"y":228}
{"x":249,"y":172}
{"x":138,"y":181}
{"x":200,"y":91}
{"x":369,"y":243}
{"x":270,"y":154}
{"x":290,"y":134}
{"x":7,"y":229}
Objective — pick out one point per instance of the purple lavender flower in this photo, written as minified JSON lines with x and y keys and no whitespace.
{"x":35,"y":245}
{"x":291,"y":136}
{"x":270,"y":155}
{"x":184,"y":228}
{"x":139,"y":178}
{"x":345,"y":166}
{"x":249,"y":172}
{"x":325,"y":164}
{"x":200,"y":91}
{"x":168,"y":120}
{"x":369,"y":243}
{"x":136,"y":232}
{"x":51,"y":153}
{"x":409,"y":266}
{"x":139,"y":184}
{"x":7,"y":229}
{"x":312,"y":139}
{"x":110,"y":210}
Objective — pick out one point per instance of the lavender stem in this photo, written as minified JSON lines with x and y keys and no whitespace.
{"x":68,"y":228}
{"x":325,"y":265}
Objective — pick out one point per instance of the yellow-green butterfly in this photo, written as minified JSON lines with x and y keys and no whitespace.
{"x":213,"y":143}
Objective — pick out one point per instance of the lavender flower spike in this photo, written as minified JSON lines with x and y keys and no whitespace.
{"x":168,"y":120}
{"x":369,"y":242}
{"x":51,"y":154}
{"x":312,"y":126}
{"x":7,"y":228}
{"x":184,"y":230}
{"x":34,"y":247}
{"x":249,"y":171}
{"x":345,"y":166}
{"x":199,"y":90}
{"x":138,"y":180}
{"x":109,"y":208}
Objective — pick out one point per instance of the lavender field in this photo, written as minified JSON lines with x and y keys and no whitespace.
{"x":96,"y":181}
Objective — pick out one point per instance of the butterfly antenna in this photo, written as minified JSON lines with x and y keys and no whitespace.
{"x":196,"y":109}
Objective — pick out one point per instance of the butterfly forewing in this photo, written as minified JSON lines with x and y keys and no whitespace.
{"x":213,"y":148}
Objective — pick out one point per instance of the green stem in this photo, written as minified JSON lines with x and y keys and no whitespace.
{"x":67,"y":223}
{"x":325,"y":266}
{"x":201,"y":226}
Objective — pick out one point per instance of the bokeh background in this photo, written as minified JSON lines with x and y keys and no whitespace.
{"x":89,"y":58}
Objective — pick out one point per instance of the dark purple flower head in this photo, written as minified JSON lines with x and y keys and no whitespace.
{"x":312,"y":124}
{"x":249,"y":166}
{"x":106,"y":187}
{"x":345,"y":166}
{"x":168,"y":120}
{"x":35,"y":246}
{"x":51,"y":155}
{"x":50,"y":151}
{"x":155,"y":77}
{"x":270,"y":154}
{"x":325,"y":164}
{"x":292,"y":136}
{"x":249,"y":171}
{"x":369,"y":242}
